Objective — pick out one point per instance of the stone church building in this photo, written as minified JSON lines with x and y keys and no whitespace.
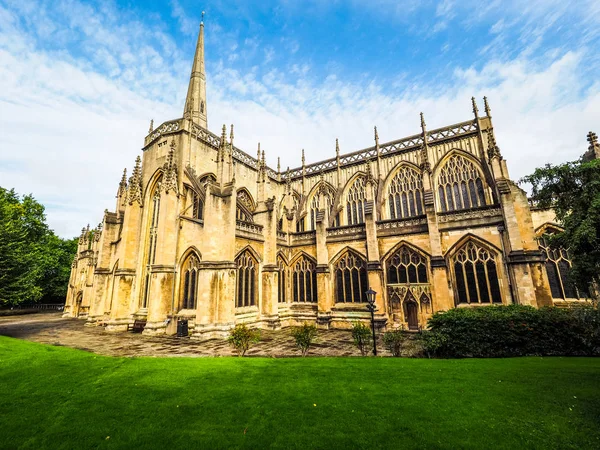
{"x":203,"y":231}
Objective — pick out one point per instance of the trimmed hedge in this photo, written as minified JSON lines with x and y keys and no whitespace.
{"x":514,"y":330}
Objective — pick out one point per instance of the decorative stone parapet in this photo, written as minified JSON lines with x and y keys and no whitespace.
{"x":304,"y":237}
{"x":248,"y":229}
{"x":346,"y":232}
{"x":402,"y":226}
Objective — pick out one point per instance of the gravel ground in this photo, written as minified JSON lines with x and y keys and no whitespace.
{"x":51,"y":328}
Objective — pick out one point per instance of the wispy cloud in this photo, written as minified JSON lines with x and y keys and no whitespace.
{"x":186,"y":24}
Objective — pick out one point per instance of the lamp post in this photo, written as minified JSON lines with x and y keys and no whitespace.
{"x":371,"y":307}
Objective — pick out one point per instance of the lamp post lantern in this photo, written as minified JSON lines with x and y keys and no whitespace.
{"x":371,"y":307}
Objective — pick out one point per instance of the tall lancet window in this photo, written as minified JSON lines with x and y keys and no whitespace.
{"x":247,"y":280}
{"x":152,"y":239}
{"x":558,"y":267}
{"x":476,"y":275}
{"x":304,"y":280}
{"x":189,"y":285}
{"x":198,"y":197}
{"x":355,"y":202}
{"x":282,"y":280}
{"x":460,"y":185}
{"x":406,"y":194}
{"x":198,"y":206}
{"x":244,"y":206}
{"x":351,"y":281}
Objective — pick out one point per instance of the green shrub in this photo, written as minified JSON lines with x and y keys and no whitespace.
{"x":304,"y":336}
{"x":361,"y":334}
{"x":241,"y":338}
{"x":514,"y":330}
{"x":393,"y":341}
{"x":432,"y":341}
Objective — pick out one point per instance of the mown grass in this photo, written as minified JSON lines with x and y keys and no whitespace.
{"x":54,"y":397}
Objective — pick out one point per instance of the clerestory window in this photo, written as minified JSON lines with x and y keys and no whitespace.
{"x":405,"y":194}
{"x":460,"y":185}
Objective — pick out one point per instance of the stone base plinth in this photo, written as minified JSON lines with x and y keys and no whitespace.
{"x":116,"y":325}
{"x":208,"y":332}
{"x":155,"y":328}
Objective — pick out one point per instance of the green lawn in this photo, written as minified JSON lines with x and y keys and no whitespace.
{"x":54,"y":397}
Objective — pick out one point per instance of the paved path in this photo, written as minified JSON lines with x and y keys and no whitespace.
{"x":51,"y":328}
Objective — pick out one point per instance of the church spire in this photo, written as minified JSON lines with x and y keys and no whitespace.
{"x":195,"y":102}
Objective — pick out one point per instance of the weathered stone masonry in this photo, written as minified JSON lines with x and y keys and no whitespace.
{"x":205,"y":232}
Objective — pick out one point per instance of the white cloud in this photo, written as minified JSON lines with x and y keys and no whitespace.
{"x":186,"y":24}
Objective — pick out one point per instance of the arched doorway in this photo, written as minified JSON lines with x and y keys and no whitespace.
{"x":77,"y":306}
{"x":411,"y":312}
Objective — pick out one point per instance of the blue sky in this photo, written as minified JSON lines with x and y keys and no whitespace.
{"x":82,"y":79}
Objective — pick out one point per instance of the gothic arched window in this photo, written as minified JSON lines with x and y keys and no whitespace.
{"x":558,"y":267}
{"x":247,"y":280}
{"x":460,"y":185}
{"x":189,"y":282}
{"x":406,"y":194}
{"x":406,"y":266}
{"x":476,"y":275}
{"x":351,"y":281}
{"x":355,"y":202}
{"x":198,"y":198}
{"x":327,"y":196}
{"x":244,"y":206}
{"x":304,"y":280}
{"x":282,"y":280}
{"x":152,"y":239}
{"x":197,"y":206}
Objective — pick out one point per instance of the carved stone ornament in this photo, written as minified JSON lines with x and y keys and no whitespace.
{"x":134,"y":191}
{"x":169,"y":183}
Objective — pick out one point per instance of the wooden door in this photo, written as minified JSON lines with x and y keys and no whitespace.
{"x":412,"y":315}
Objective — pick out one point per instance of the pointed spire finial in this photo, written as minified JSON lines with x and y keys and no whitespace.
{"x":475,"y":109}
{"x":493,"y":149}
{"x":123,"y":184}
{"x":422,"y":122}
{"x":594,"y":147}
{"x":151,"y":129}
{"x":278,"y":164}
{"x":592,"y":138}
{"x":231,"y":135}
{"x":486,"y":107}
{"x":195,"y":100}
{"x":303,"y":159}
{"x":263,"y":157}
{"x":337,"y":147}
{"x":376,"y":135}
{"x":223,"y":135}
{"x":258,"y":153}
{"x":369,"y":172}
{"x":170,"y":171}
{"x":134,"y":192}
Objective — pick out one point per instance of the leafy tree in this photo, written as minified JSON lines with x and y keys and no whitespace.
{"x":34,"y":262}
{"x":56,"y":262}
{"x":573,"y":190}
